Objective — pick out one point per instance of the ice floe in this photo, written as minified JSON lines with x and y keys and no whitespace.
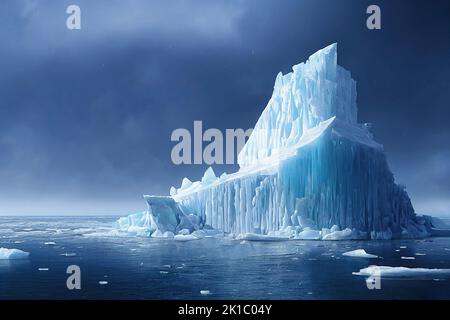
{"x":404,"y":272}
{"x":66,"y":254}
{"x":360,"y":253}
{"x":260,"y":237}
{"x":182,"y":237}
{"x":11,"y":254}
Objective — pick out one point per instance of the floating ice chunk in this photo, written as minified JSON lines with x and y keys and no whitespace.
{"x":360,"y":253}
{"x":68,"y":254}
{"x":211,"y":232}
{"x":110,"y":233}
{"x":50,"y":243}
{"x":408,"y":258}
{"x":404,"y":272}
{"x":102,"y":283}
{"x":184,"y":232}
{"x":43,"y":269}
{"x":334,"y":228}
{"x":84,"y":230}
{"x":164,"y":212}
{"x":420,"y":254}
{"x":12,"y":254}
{"x":138,"y":224}
{"x":402,"y":247}
{"x":289,"y":232}
{"x":309,"y":234}
{"x":338,"y":235}
{"x":159,"y":234}
{"x":182,"y":237}
{"x":199,"y":234}
{"x":205,"y":292}
{"x":260,"y":237}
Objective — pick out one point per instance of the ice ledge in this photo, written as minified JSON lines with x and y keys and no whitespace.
{"x":269,"y":165}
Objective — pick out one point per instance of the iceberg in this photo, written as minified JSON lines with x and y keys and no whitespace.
{"x":308,"y":167}
{"x":11,"y":254}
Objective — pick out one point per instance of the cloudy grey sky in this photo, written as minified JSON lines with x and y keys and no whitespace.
{"x":86,"y":116}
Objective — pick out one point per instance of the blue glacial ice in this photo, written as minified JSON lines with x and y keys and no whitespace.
{"x":309,"y":170}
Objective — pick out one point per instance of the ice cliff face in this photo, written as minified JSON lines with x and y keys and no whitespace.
{"x":308,"y":171}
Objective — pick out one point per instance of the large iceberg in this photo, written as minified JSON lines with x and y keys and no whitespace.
{"x":309,"y":170}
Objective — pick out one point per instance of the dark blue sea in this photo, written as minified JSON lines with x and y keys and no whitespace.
{"x":118,"y":267}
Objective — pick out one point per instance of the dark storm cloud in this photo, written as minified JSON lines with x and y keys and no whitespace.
{"x":86,"y":116}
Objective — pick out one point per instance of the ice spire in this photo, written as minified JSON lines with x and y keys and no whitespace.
{"x":314,"y":91}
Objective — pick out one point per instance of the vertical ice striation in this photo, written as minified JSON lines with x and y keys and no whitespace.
{"x":308,"y":169}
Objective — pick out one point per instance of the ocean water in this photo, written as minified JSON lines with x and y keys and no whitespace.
{"x":146,"y":268}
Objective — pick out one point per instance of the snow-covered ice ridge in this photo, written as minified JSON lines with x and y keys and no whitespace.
{"x":308,"y":171}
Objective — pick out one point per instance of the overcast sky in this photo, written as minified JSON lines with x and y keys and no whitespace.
{"x":86,"y":115}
